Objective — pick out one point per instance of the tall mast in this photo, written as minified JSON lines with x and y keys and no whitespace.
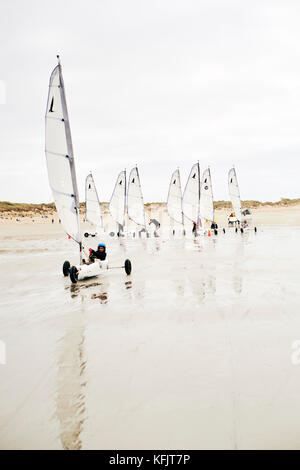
{"x":70,"y":149}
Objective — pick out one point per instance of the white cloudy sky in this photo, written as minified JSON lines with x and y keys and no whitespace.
{"x":160,"y":83}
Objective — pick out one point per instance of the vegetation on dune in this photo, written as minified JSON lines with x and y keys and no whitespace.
{"x":6,"y":206}
{"x":222,"y":204}
{"x":252,"y":204}
{"x":282,"y":203}
{"x":19,"y":208}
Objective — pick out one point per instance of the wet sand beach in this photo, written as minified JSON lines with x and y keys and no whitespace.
{"x":193,"y":350}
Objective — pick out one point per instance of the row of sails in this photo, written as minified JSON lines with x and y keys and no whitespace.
{"x":195,"y":203}
{"x":128,"y":198}
{"x":197,"y":199}
{"x":123,"y":198}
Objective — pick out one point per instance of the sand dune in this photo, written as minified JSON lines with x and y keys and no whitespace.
{"x":39,"y":221}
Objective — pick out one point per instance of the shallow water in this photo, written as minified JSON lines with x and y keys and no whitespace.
{"x":193,"y":350}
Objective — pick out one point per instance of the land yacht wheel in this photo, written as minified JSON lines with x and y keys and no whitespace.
{"x":66,"y":268}
{"x":127,"y":266}
{"x":74,"y":274}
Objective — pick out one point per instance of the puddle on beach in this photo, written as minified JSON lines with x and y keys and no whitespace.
{"x":193,"y":350}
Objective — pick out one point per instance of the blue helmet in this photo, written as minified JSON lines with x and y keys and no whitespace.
{"x":101,"y":244}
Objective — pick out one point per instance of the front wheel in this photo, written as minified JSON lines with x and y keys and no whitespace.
{"x":127,"y":266}
{"x":66,"y":268}
{"x":74,"y":274}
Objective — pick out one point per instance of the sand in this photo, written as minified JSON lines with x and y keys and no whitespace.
{"x":192,"y":351}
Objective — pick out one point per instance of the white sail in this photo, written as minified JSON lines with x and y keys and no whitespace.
{"x":59,"y":156}
{"x":234,"y":193}
{"x":174,"y":201}
{"x":135,"y":203}
{"x":117,"y":205}
{"x":191,"y":195}
{"x":92,"y":204}
{"x":206,"y":197}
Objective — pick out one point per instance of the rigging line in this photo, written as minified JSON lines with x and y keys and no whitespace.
{"x":61,"y":192}
{"x":56,"y":154}
{"x":55,"y":118}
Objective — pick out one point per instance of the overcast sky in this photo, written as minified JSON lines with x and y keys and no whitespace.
{"x":160,"y":83}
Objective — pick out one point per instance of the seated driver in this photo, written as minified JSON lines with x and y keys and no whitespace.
{"x":100,"y":253}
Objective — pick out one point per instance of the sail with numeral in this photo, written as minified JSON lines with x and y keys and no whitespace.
{"x":117,"y":205}
{"x":206,"y":197}
{"x":60,"y":158}
{"x":135,"y":203}
{"x":92,"y":204}
{"x":234,"y":193}
{"x":191,"y":195}
{"x":174,"y":201}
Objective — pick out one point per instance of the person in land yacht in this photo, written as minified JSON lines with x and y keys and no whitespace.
{"x":100,"y":253}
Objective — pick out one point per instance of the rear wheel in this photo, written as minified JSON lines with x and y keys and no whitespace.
{"x":215,"y":231}
{"x":86,"y":234}
{"x":236,"y":229}
{"x":242,"y":230}
{"x":224,"y":231}
{"x":66,"y":268}
{"x":74,"y":274}
{"x":127,"y":266}
{"x":255,"y":229}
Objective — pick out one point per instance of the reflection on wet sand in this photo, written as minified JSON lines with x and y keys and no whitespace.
{"x":237,"y":267}
{"x":74,"y":290}
{"x":90,"y":290}
{"x":203,"y":284}
{"x":101,"y":296}
{"x":198,"y":244}
{"x":70,"y":396}
{"x":195,"y":343}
